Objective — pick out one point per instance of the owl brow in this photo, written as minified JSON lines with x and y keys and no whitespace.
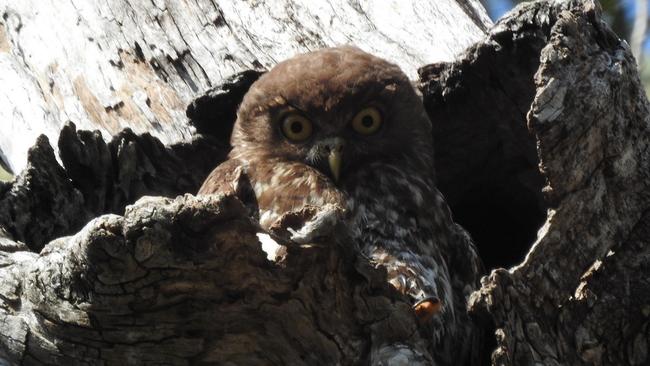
{"x":287,"y":102}
{"x":377,"y":93}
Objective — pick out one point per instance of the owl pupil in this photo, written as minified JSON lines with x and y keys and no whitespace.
{"x":367,"y":121}
{"x":296,"y":127}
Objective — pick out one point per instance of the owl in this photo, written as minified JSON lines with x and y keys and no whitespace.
{"x":341,"y":127}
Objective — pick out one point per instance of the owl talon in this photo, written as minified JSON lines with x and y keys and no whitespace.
{"x":322,"y":224}
{"x":401,"y":283}
{"x":425,"y":309}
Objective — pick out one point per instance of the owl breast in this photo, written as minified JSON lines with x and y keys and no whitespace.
{"x":395,"y":215}
{"x":283,"y":187}
{"x":399,"y":224}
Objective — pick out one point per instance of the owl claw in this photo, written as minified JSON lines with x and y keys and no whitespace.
{"x":425,"y":309}
{"x":322,"y":224}
{"x":299,"y":236}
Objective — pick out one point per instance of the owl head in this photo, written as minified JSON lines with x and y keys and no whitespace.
{"x":335,"y":109}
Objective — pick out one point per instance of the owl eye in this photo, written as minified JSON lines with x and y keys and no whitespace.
{"x":367,"y":121}
{"x":296,"y":127}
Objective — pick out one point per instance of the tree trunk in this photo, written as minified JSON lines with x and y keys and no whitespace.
{"x":551,"y":103}
{"x":541,"y":125}
{"x":114,"y":64}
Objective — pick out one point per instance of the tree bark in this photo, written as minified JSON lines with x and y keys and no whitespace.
{"x":580,"y":295}
{"x":546,"y":114}
{"x":126,"y":63}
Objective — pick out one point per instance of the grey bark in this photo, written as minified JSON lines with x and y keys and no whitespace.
{"x":114,"y":64}
{"x":183,"y":280}
{"x":580,"y":296}
{"x":549,"y":106}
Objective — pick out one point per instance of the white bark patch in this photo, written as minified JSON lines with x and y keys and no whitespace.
{"x":113,"y":64}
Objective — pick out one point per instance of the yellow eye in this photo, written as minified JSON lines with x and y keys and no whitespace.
{"x":296,"y":127}
{"x":367,"y":121}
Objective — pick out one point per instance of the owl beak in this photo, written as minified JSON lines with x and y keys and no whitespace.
{"x":334,"y":158}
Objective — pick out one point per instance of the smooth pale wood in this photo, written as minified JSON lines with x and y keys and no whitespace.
{"x":112,"y":64}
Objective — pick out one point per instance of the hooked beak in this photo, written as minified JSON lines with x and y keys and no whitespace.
{"x":334,"y":157}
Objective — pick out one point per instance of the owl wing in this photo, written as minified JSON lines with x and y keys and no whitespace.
{"x":465,"y":279}
{"x":231,"y":178}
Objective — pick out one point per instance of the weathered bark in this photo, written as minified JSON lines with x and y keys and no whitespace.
{"x":184,"y":281}
{"x":547,"y":113}
{"x":115,"y":64}
{"x":581,"y":294}
{"x":47,"y":201}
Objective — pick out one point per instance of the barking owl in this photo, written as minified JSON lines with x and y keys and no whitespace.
{"x":340,"y":126}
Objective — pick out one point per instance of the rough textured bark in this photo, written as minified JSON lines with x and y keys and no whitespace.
{"x":548,"y":107}
{"x":114,"y":64}
{"x":47,"y":201}
{"x":581,"y":294}
{"x":184,"y":281}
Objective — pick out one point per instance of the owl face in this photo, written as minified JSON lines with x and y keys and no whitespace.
{"x":337,"y":110}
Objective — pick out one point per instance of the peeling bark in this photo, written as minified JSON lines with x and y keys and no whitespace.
{"x":548,"y":107}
